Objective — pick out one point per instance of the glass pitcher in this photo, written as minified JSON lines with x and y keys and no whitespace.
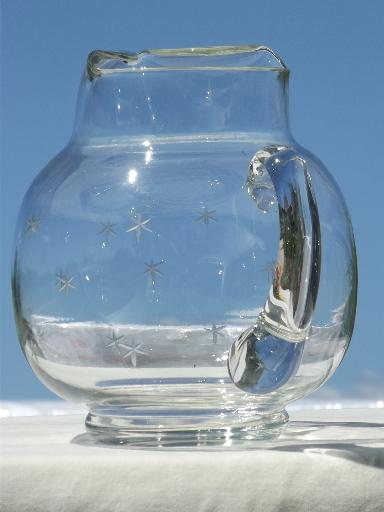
{"x":183,"y":266}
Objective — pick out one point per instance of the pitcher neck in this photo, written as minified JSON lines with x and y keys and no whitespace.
{"x":185,"y":92}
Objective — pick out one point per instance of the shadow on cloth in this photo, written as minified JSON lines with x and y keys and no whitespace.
{"x":360,"y":442}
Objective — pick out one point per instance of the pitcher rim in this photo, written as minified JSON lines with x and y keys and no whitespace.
{"x":210,"y":58}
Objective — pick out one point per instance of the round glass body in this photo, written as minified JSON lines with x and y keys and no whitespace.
{"x":183,"y":266}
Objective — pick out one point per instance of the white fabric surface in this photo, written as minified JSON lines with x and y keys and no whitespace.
{"x":325,"y":461}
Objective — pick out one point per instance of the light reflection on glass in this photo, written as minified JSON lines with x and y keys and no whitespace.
{"x":132,"y":176}
{"x":148,"y":153}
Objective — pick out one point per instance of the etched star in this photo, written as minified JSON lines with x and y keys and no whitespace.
{"x":115,"y":341}
{"x":140,"y":225}
{"x":64,"y":282}
{"x":206,"y":216}
{"x":133,"y":351}
{"x":215,"y":330}
{"x":153,"y":270}
{"x":33,"y":224}
{"x":108,"y":230}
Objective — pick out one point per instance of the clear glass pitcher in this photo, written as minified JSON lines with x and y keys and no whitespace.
{"x":183,"y":266}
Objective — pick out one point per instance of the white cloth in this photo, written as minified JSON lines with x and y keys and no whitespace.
{"x":326,"y":461}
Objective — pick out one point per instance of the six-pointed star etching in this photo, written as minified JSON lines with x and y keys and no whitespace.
{"x":108,"y":230}
{"x":215,"y":330}
{"x":140,"y":225}
{"x":64,"y":282}
{"x":115,"y":341}
{"x":133,"y":350}
{"x":33,"y":224}
{"x":206,"y":216}
{"x":153,"y":270}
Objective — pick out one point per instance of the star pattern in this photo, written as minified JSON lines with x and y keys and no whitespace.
{"x":152,"y":269}
{"x":215,"y":330}
{"x":33,"y":224}
{"x":115,"y":341}
{"x":140,"y":225}
{"x":64,"y":282}
{"x":108,"y":230}
{"x":207,"y":216}
{"x":133,"y":351}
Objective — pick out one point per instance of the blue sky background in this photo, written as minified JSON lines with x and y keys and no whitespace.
{"x":335,"y":53}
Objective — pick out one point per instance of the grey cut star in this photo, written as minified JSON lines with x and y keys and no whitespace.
{"x":108,"y":230}
{"x":33,"y":224}
{"x":115,"y":341}
{"x":64,"y":282}
{"x":153,"y":270}
{"x":133,"y":351}
{"x":140,"y":225}
{"x":215,"y":330}
{"x":206,"y":216}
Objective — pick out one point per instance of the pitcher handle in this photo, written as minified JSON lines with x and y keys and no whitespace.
{"x":289,"y":307}
{"x":288,"y":310}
